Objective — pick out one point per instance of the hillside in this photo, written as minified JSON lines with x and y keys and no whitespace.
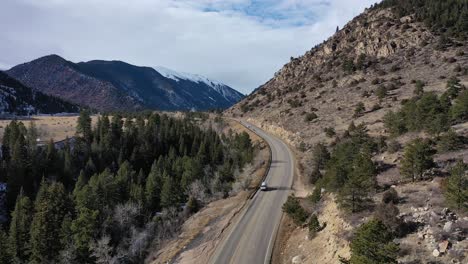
{"x":17,"y":99}
{"x":395,"y":73}
{"x":116,"y":85}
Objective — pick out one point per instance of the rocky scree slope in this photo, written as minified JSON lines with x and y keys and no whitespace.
{"x":116,"y":85}
{"x":17,"y":99}
{"x":376,"y":49}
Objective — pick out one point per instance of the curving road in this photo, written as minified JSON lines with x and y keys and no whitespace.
{"x":251,"y":238}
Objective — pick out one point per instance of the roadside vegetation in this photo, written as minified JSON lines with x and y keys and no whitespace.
{"x":115,"y":190}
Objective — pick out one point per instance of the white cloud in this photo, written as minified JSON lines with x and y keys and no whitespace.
{"x":239,"y":42}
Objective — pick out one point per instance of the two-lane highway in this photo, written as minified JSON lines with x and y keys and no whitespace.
{"x":251,"y":239}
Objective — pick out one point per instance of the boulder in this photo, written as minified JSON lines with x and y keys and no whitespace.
{"x":297,"y":259}
{"x":443,"y":246}
{"x":448,"y":227}
{"x":435,"y":253}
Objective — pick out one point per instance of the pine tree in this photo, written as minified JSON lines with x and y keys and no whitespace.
{"x":372,"y":244}
{"x":456,"y":192}
{"x":320,"y":155}
{"x":169,"y":192}
{"x":5,"y":257}
{"x":84,"y":229}
{"x":83,"y":126}
{"x":416,"y":159}
{"x":459,"y":109}
{"x":354,"y":194}
{"x":124,"y":175}
{"x":153,"y":188}
{"x":359,"y":110}
{"x":137,"y":195}
{"x":68,"y":170}
{"x":18,"y":238}
{"x":17,"y":170}
{"x":66,"y":234}
{"x":50,"y":208}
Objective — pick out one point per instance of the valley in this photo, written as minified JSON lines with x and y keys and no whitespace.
{"x":355,"y":151}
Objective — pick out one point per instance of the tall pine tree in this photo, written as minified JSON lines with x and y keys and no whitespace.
{"x":18,"y":238}
{"x":50,"y":208}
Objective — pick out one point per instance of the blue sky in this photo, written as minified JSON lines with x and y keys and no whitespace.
{"x":239,"y":42}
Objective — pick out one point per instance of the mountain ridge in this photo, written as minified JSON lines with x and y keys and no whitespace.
{"x":117,"y":85}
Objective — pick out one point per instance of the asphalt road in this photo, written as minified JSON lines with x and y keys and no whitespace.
{"x":251,"y":239}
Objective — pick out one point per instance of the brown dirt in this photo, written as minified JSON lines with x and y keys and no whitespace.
{"x":201,"y":232}
{"x":328,"y":244}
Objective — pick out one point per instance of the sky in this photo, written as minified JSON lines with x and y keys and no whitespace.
{"x":241,"y":43}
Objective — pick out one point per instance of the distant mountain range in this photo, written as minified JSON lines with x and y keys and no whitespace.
{"x":116,"y":85}
{"x":17,"y":99}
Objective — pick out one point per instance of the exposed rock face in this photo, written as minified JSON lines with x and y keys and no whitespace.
{"x":116,"y":85}
{"x":381,"y":50}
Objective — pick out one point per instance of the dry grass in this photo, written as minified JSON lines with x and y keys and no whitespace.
{"x":50,"y":127}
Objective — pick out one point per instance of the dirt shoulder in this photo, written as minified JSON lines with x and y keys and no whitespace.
{"x":204,"y":230}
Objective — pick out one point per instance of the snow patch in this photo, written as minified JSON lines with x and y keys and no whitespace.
{"x":177,"y":76}
{"x":219,"y":87}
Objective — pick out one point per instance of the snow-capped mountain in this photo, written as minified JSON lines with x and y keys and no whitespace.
{"x":116,"y":85}
{"x":226,"y":91}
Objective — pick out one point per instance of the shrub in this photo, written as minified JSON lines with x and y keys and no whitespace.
{"x":315,"y":175}
{"x":316,"y":194}
{"x":359,"y":110}
{"x":310,"y":116}
{"x":419,"y":88}
{"x":244,"y":107}
{"x":192,"y":205}
{"x":329,"y":131}
{"x":394,"y":68}
{"x":293,"y":208}
{"x":314,"y":226}
{"x":381,"y":92}
{"x":376,"y":107}
{"x":387,"y":213}
{"x":390,"y":196}
{"x":449,"y":141}
{"x":334,"y":83}
{"x":302,"y":146}
{"x":361,"y":62}
{"x":294,"y":103}
{"x":348,"y":66}
{"x":393,"y":146}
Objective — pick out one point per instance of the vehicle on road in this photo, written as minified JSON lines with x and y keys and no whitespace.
{"x":264,"y":186}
